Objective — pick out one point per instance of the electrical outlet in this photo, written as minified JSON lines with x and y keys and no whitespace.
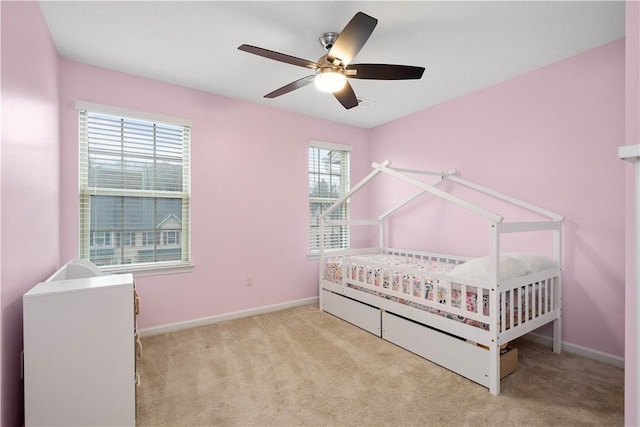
{"x":250,"y":280}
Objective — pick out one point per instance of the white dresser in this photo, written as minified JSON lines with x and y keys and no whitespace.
{"x":79,"y":350}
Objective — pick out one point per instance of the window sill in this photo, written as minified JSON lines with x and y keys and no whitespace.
{"x":327,"y":253}
{"x":150,"y":270}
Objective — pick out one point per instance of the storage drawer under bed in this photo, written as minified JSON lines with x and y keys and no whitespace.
{"x":455,"y":354}
{"x":465,"y":358}
{"x":445,"y":350}
{"x":357,"y":313}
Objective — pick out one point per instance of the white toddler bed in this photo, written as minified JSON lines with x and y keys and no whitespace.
{"x":455,"y":311}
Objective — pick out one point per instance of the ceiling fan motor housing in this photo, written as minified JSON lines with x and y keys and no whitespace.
{"x":327,"y":40}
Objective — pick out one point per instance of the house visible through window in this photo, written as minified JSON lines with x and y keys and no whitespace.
{"x":148,"y":238}
{"x":100,"y":238}
{"x":125,"y":239}
{"x":134,"y":191}
{"x":328,"y":180}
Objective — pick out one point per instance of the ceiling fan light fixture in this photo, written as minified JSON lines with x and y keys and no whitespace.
{"x":329,"y":80}
{"x":333,"y":69}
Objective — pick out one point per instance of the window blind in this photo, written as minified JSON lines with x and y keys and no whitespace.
{"x":328,"y":181}
{"x":134,"y":191}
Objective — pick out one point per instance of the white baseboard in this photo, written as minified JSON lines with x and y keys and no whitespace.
{"x":600,"y":356}
{"x":173,"y":327}
{"x":541,"y":339}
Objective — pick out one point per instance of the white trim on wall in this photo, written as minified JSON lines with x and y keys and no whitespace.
{"x":599,"y":356}
{"x":134,"y":114}
{"x":178,"y":326}
{"x":631,"y":153}
{"x":330,"y":145}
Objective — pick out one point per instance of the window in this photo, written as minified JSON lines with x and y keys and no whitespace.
{"x":125,"y":239}
{"x":171,"y":237}
{"x":328,"y":180}
{"x":148,"y":238}
{"x":134,"y":184}
{"x":100,"y":238}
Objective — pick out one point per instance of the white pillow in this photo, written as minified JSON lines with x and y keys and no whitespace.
{"x":478,"y":269}
{"x":534,"y":262}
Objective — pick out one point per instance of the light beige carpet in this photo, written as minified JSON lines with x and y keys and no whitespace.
{"x":303,"y":367}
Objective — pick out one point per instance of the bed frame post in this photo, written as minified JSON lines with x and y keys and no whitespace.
{"x":494,"y":295}
{"x":322,"y":262}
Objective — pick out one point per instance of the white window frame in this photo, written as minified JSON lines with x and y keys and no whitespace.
{"x":104,"y":237}
{"x":128,"y":238}
{"x":141,"y":269}
{"x":171,"y":237}
{"x":345,"y":150}
{"x":146,"y":241}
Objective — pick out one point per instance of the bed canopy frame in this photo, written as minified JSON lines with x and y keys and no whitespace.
{"x":498,"y":226}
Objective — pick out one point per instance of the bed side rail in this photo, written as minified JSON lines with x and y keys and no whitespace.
{"x":451,"y":259}
{"x":415,"y":287}
{"x":524,"y":303}
{"x":528,"y":302}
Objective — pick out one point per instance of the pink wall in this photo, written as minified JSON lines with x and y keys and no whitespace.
{"x":249,"y":193}
{"x":30,"y":189}
{"x":250,"y":190}
{"x":632,"y":136}
{"x":548,"y":137}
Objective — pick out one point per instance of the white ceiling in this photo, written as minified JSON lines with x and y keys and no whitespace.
{"x":464,"y":45}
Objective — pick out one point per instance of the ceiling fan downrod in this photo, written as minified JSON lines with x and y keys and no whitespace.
{"x":327,"y":40}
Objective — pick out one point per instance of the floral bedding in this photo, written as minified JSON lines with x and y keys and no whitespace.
{"x":420,"y":285}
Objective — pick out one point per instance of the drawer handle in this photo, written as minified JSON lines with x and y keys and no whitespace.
{"x":137,"y":379}
{"x":136,"y":302}
{"x":138,"y":345}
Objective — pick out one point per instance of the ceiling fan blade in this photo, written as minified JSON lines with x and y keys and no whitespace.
{"x":384,"y":71}
{"x":277,"y":56}
{"x":346,"y":96}
{"x":354,"y":35}
{"x":290,"y":87}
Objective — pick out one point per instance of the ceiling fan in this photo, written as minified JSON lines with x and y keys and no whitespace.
{"x":333,"y":69}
